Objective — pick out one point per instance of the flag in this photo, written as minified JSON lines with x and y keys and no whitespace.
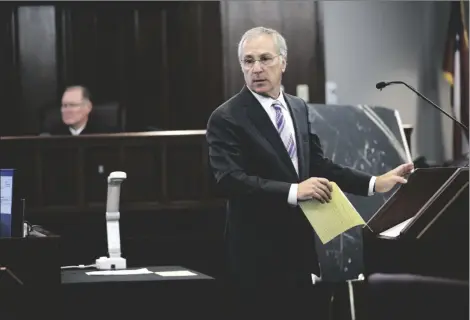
{"x":455,"y":69}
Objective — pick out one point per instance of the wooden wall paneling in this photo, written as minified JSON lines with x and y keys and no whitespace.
{"x":81,"y":178}
{"x":305,"y":61}
{"x":232,"y":17}
{"x":63,"y":19}
{"x":236,"y":18}
{"x":99,"y":49}
{"x":60,"y":182}
{"x":78,"y":47}
{"x":9,"y":85}
{"x":37,"y":62}
{"x":116,"y":55}
{"x":318,"y":88}
{"x":160,"y":78}
{"x":184,"y":170}
{"x":291,"y":18}
{"x":94,"y":49}
{"x":124,"y":22}
{"x":167,"y":171}
{"x":149,"y":107}
{"x":183,"y":57}
{"x":143,"y":166}
{"x":161,"y":60}
{"x":190,"y":103}
{"x":99,"y":161}
{"x":210,"y":60}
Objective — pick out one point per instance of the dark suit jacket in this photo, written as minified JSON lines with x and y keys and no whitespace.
{"x":93,"y":126}
{"x":268,"y":239}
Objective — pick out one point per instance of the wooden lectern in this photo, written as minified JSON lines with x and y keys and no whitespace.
{"x":423,"y":227}
{"x":11,"y":300}
{"x":31,"y":286}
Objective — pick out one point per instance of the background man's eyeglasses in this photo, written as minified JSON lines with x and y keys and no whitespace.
{"x":71,"y":105}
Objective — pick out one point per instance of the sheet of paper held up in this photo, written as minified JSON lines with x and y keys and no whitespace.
{"x":331,"y":219}
{"x":119,"y":272}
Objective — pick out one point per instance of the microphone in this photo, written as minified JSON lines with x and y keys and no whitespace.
{"x":381,"y":85}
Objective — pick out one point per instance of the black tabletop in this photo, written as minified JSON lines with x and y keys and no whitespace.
{"x":80,"y":276}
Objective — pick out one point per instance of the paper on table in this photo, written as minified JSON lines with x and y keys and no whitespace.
{"x":176,"y":273}
{"x":119,"y":272}
{"x":331,"y":219}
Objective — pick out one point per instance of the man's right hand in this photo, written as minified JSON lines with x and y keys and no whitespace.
{"x":316,"y":188}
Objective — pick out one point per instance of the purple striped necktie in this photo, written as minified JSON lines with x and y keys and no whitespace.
{"x":286,"y":136}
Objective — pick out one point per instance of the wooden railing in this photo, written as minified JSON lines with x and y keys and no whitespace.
{"x":63,"y":174}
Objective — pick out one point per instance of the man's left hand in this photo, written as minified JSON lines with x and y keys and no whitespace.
{"x":387,"y":181}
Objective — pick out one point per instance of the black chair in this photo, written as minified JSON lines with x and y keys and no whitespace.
{"x":407,"y":296}
{"x":112,"y":114}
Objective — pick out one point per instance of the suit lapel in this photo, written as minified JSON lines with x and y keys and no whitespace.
{"x":300,"y":119}
{"x":264,"y":125}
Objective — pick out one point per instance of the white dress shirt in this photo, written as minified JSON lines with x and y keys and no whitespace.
{"x":76,"y":132}
{"x":266,"y":103}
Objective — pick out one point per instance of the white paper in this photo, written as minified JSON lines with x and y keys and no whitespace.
{"x":331,"y":89}
{"x":118,"y":272}
{"x":177,"y":273}
{"x":395,"y":231}
{"x":302,"y":92}
{"x":315,"y":278}
{"x":6,"y":194}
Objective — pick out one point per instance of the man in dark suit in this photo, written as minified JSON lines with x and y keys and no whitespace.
{"x":265,"y":160}
{"x":76,"y":119}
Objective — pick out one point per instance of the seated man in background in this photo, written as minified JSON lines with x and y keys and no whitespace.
{"x":75,"y":110}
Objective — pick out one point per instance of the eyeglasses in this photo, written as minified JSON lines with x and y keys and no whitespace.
{"x":266,"y":61}
{"x":71,"y":105}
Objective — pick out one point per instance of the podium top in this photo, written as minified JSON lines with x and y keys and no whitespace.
{"x":410,"y":198}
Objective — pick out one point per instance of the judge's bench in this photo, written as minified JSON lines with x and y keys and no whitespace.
{"x":171,"y":216}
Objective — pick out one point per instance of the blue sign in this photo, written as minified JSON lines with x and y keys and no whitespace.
{"x":6,"y":202}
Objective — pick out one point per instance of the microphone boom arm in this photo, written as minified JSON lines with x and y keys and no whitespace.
{"x":382,"y":85}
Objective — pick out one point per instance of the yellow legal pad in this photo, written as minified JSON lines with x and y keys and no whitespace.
{"x":331,"y":219}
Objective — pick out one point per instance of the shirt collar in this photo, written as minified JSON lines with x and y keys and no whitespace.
{"x":266,"y":102}
{"x":76,"y":132}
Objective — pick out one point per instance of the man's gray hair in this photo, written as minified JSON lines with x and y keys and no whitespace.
{"x":279,"y":40}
